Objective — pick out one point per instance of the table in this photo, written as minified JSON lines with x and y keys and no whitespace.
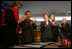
{"x":54,"y":45}
{"x":39,"y":45}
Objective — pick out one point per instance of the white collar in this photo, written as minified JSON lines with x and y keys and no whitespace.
{"x":50,"y":20}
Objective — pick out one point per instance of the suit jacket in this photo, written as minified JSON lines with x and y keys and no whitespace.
{"x":55,"y":32}
{"x":65,"y":30}
{"x":46,"y":31}
{"x":34,"y":26}
{"x":27,"y":31}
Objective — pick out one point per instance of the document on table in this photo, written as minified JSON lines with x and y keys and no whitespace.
{"x":33,"y":46}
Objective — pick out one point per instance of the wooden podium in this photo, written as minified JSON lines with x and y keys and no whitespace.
{"x":37,"y":35}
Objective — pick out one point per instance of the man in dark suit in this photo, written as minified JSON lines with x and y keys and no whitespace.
{"x":66,"y":29}
{"x":27,"y":27}
{"x":54,"y":25}
{"x":46,"y":30}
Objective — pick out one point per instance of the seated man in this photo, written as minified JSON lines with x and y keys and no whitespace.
{"x":27,"y":29}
